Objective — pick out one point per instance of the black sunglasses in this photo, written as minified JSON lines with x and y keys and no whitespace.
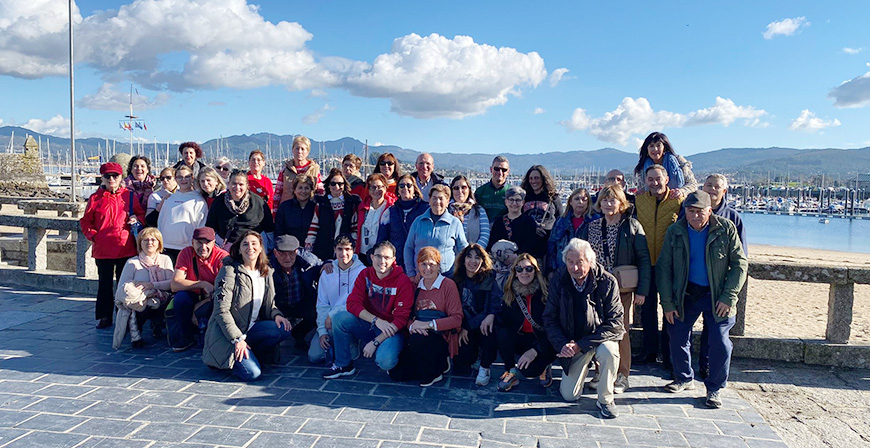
{"x":336,"y":184}
{"x":111,"y":175}
{"x":387,"y":163}
{"x":520,"y":269}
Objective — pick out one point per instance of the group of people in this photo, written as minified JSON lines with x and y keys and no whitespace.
{"x":422,"y":275}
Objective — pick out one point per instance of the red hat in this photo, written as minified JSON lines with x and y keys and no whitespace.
{"x":204,"y":233}
{"x":111,"y":167}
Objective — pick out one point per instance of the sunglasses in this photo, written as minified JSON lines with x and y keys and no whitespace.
{"x":406,"y":185}
{"x":222,"y":168}
{"x":520,"y":269}
{"x":111,"y":175}
{"x":336,"y":184}
{"x":387,"y":163}
{"x":500,"y":169}
{"x":165,"y":178}
{"x":188,"y":177}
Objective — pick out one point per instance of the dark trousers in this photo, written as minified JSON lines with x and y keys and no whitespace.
{"x":182,"y":331}
{"x":511,"y":344}
{"x":720,"y":345}
{"x":704,"y":356}
{"x":478,"y":345}
{"x":303,"y":316}
{"x":108,"y":272}
{"x":654,"y":341}
{"x":423,"y":358}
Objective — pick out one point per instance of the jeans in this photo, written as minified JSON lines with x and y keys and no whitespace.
{"x":717,"y":339}
{"x":346,"y":328}
{"x":108,"y":271}
{"x":182,"y":330}
{"x":264,"y":335}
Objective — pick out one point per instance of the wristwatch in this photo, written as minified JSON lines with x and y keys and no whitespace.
{"x":376,"y":343}
{"x":432,"y":324}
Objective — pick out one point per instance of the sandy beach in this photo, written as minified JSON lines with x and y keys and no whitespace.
{"x":799,"y":310}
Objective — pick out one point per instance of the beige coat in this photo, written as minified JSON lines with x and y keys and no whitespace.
{"x":233,"y":310}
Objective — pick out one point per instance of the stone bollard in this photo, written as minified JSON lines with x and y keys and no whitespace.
{"x":37,"y":249}
{"x":739,"y":328}
{"x":85,"y":265}
{"x":841,"y":296}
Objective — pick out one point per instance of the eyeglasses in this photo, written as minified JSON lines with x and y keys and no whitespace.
{"x":111,"y":175}
{"x":528,"y":268}
{"x":382,"y":257}
{"x":377,"y":187}
{"x":336,"y":184}
{"x":406,"y":185}
{"x":188,"y":177}
{"x":515,"y":200}
{"x":165,"y":178}
{"x":500,"y":169}
{"x":387,"y":163}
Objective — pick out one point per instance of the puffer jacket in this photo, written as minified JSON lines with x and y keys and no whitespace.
{"x":233,"y":311}
{"x":631,"y":249}
{"x":655,"y":217}
{"x":104,"y":223}
{"x":726,"y":265}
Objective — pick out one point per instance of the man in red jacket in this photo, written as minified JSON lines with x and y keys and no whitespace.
{"x":108,"y":223}
{"x":377,"y":309}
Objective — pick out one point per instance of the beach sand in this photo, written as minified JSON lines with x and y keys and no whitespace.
{"x":799,"y":310}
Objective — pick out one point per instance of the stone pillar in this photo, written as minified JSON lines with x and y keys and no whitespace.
{"x":37,"y":252}
{"x":840,"y":299}
{"x":739,"y":327}
{"x":85,"y":266}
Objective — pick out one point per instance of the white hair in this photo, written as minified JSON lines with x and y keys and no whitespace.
{"x":582,"y":247}
{"x":720,"y":177}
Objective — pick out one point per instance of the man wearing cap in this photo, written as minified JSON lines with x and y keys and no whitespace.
{"x":700,"y":271}
{"x":193,"y":284}
{"x":295,"y":274}
{"x":107,"y":223}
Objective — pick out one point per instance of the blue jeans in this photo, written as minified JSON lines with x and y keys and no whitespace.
{"x":717,"y":339}
{"x":264,"y":335}
{"x":346,"y":327}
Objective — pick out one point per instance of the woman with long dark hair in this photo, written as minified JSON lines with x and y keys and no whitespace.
{"x":237,"y":211}
{"x":481,"y":302}
{"x":139,"y":179}
{"x":657,"y":150}
{"x":398,"y":219}
{"x":245,"y":325}
{"x":335,"y":213}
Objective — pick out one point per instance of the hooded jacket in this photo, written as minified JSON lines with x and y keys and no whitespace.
{"x":333,"y":290}
{"x":390,"y":298}
{"x":104,"y":223}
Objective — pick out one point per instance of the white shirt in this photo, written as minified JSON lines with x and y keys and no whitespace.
{"x":370,"y":228}
{"x":258,"y":294}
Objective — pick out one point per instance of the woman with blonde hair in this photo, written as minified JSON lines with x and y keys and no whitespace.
{"x":298,"y":165}
{"x":521,"y":330}
{"x":578,"y":213}
{"x":210,"y":184}
{"x":143,"y":289}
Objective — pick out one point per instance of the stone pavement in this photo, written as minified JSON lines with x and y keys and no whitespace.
{"x":62,"y":385}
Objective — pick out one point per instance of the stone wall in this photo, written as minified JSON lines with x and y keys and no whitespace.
{"x":23,"y":171}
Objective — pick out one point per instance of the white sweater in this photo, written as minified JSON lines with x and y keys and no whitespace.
{"x":182,"y":213}
{"x":332,"y":291}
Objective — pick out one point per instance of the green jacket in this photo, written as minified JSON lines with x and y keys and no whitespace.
{"x":726,"y":265}
{"x":233,"y":311}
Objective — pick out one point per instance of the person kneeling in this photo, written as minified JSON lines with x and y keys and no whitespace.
{"x":434,"y":337}
{"x":245,"y":323}
{"x":377,"y":308}
{"x":584,"y":319}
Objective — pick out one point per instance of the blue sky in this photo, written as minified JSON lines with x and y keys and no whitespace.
{"x":449,"y":76}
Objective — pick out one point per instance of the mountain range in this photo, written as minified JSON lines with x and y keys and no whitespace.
{"x":740,"y":163}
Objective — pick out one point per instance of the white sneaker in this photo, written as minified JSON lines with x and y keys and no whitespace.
{"x":621,"y":384}
{"x":593,"y":383}
{"x":482,"y":377}
{"x":434,"y":380}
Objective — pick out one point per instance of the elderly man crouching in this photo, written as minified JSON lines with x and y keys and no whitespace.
{"x":583,"y":318}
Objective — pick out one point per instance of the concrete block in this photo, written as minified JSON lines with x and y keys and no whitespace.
{"x":789,"y":350}
{"x":840,"y":299}
{"x":819,"y":352}
{"x":85,"y":265}
{"x":36,"y":249}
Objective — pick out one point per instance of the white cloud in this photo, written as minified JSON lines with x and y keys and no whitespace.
{"x":315,"y":116}
{"x":852,"y":93}
{"x":57,"y":126}
{"x":109,"y":97}
{"x":433,"y":76}
{"x":785,"y":27}
{"x":538,"y":111}
{"x":635,"y":117}
{"x":557,"y":76}
{"x":848,"y":50}
{"x":807,"y":121}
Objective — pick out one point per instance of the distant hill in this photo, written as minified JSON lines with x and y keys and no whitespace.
{"x":749,"y":163}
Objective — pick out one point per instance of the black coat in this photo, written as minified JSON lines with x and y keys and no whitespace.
{"x":511,"y":318}
{"x":228,"y":226}
{"x":522,"y":232}
{"x":323,"y":244}
{"x":291,"y":219}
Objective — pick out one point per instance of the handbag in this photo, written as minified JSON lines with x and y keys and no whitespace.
{"x":626,"y":277}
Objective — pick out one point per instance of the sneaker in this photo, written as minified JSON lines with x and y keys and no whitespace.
{"x":546,"y":378}
{"x":508,"y":380}
{"x":608,"y":410}
{"x":593,"y":383}
{"x":482,"y":377}
{"x":434,"y":380}
{"x":713,"y":400}
{"x":679,"y":386}
{"x":105,"y":322}
{"x":138,"y":343}
{"x":184,"y":347}
{"x":621,"y":384}
{"x":337,"y":371}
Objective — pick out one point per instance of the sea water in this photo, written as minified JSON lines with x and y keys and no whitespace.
{"x":840,"y":234}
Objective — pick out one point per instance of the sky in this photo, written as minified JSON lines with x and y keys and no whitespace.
{"x":447,"y":76}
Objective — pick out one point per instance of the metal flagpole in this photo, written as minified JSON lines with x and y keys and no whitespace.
{"x":72,"y":111}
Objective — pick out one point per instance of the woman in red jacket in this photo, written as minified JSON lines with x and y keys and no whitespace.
{"x":108,"y":223}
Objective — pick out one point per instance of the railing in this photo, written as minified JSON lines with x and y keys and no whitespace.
{"x":35,"y":230}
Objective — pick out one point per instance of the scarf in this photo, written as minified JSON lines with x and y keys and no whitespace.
{"x":460,"y":209}
{"x":521,"y":290}
{"x":603,"y":238}
{"x":140,"y":186}
{"x":150,"y":264}
{"x":243,"y":204}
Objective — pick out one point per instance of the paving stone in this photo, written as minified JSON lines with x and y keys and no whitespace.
{"x":460,"y":408}
{"x":330,"y":428}
{"x":20,"y":387}
{"x":535,"y":428}
{"x":164,"y":414}
{"x":113,"y":394}
{"x":449,"y":437}
{"x":707,"y":440}
{"x":353,"y":387}
{"x":8,"y":434}
{"x":360,"y":401}
{"x":106,"y":427}
{"x":764,"y":443}
{"x":165,"y":432}
{"x":212,"y":388}
{"x":39,"y":439}
{"x":421,"y":419}
{"x":51,"y":422}
{"x":754,"y":430}
{"x":309,"y":396}
{"x":64,"y":391}
{"x":219,"y":418}
{"x":389,"y":444}
{"x":161,"y":398}
{"x":384,"y":431}
{"x":314,"y":411}
{"x":277,"y":423}
{"x":656,"y":438}
{"x":11,"y":401}
{"x":104,"y":442}
{"x":687,"y":424}
{"x":546,"y":442}
{"x":62,"y":378}
{"x":336,"y":442}
{"x":60,"y":405}
{"x":366,"y":415}
{"x":632,"y":421}
{"x":278,"y":440}
{"x":112,"y":410}
{"x":222,"y":436}
{"x":488,"y":425}
{"x":290,"y":382}
{"x":209,"y":402}
{"x":12,"y":418}
{"x":161,"y":384}
{"x":261,"y":405}
{"x":398,"y":390}
{"x":112,"y":381}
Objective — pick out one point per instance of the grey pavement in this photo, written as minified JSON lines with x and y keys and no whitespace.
{"x":62,"y":385}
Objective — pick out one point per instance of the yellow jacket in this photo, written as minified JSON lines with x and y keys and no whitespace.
{"x":656,"y":217}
